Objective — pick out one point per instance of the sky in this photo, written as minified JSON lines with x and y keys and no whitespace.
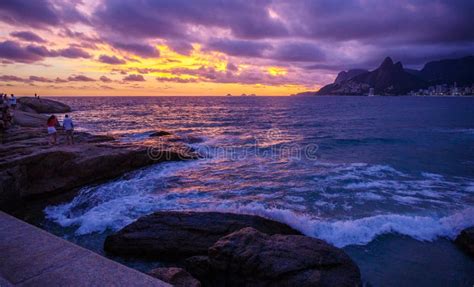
{"x":216,"y":47}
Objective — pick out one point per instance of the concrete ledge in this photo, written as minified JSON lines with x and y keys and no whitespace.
{"x":30,"y":256}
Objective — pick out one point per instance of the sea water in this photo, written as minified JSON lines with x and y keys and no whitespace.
{"x":389,"y":179}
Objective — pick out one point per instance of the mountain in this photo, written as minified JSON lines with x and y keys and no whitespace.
{"x":392,"y":79}
{"x":460,"y":71}
{"x":347,"y":75}
{"x":388,"y":79}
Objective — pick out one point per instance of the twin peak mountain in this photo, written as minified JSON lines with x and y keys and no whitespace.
{"x":392,"y":79}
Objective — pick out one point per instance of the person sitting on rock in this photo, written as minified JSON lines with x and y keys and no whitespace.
{"x":68,"y":126}
{"x":52,"y":123}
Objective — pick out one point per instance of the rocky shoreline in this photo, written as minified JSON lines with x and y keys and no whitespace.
{"x":225,"y":249}
{"x":31,"y":168}
{"x":206,"y":248}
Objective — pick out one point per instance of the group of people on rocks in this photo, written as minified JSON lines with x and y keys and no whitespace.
{"x":68,"y":126}
{"x":8,"y":104}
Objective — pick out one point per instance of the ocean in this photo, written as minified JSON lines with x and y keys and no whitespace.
{"x":389,"y":179}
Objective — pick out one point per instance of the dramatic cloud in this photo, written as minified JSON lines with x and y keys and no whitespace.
{"x":36,"y":13}
{"x":172,"y":19}
{"x":40,"y":13}
{"x":112,"y":60}
{"x":298,"y":52}
{"x":134,"y":78}
{"x":175,"y":41}
{"x":13,"y":51}
{"x":28,"y":36}
{"x":32,"y":53}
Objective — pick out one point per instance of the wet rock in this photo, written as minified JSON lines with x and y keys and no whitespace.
{"x":29,"y":104}
{"x":252,"y":258}
{"x":465,"y":240}
{"x":178,"y":277}
{"x":181,"y":234}
{"x":30,"y":168}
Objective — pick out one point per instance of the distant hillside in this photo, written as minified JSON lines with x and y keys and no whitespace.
{"x":347,"y":75}
{"x":392,"y":79}
{"x":388,"y":79}
{"x":450,"y":71}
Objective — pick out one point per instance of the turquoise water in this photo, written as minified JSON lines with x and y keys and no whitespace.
{"x":366,"y":174}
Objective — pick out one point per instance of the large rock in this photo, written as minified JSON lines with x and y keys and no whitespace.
{"x":251,"y":258}
{"x":29,"y":119}
{"x":465,"y":240}
{"x":178,"y":277}
{"x":178,"y":234}
{"x":30,"y":104}
{"x":30,"y":168}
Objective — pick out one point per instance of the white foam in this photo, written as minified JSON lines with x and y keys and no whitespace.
{"x":118,"y":203}
{"x":363,"y":230}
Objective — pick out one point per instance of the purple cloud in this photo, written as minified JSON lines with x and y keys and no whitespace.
{"x":231,"y":67}
{"x":11,"y":78}
{"x":171,"y":19}
{"x":241,"y":48}
{"x":40,"y":79}
{"x":105,"y":79}
{"x":143,"y":50}
{"x":13,"y":51}
{"x":298,"y":52}
{"x":80,"y":78}
{"x":175,"y":80}
{"x":134,"y":78}
{"x":72,"y":52}
{"x":39,"y":13}
{"x":28,"y":36}
{"x":112,"y":60}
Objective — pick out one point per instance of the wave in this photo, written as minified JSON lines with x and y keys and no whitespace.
{"x":117,"y":214}
{"x":361,"y":231}
{"x":164,"y":187}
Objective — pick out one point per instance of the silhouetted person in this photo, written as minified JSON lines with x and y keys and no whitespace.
{"x":68,"y":126}
{"x":52,"y":123}
{"x":13,"y":101}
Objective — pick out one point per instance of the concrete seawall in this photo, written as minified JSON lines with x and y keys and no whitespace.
{"x":30,"y":256}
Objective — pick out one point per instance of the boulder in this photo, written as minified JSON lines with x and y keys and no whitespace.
{"x":30,"y":104}
{"x":465,"y":240}
{"x":174,"y":234}
{"x":29,"y":119}
{"x":178,"y":277}
{"x":252,"y":258}
{"x":30,"y":168}
{"x":200,"y":267}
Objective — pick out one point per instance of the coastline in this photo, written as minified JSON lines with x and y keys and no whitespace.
{"x":120,"y":145}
